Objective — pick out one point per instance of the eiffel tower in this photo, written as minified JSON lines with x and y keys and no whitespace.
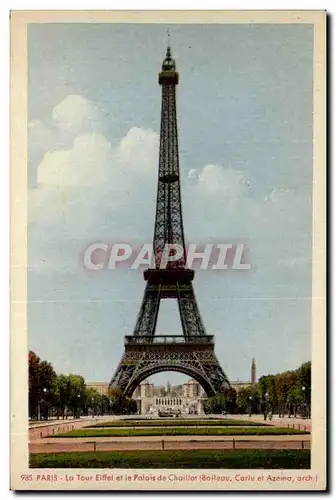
{"x":193,"y":352}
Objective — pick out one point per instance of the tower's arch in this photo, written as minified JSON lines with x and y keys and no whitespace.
{"x":152,"y":370}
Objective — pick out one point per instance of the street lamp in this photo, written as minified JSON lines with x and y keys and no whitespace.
{"x":45,"y":393}
{"x":44,"y":390}
{"x":266,"y":406}
{"x":78,"y":397}
{"x":250,"y":406}
{"x":288,"y":401}
{"x":304,"y":401}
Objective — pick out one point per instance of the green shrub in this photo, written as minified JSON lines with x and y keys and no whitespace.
{"x":176,"y":422}
{"x":200,"y":459}
{"x":171,"y":431}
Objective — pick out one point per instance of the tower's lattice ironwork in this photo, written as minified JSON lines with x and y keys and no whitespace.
{"x":193,"y":352}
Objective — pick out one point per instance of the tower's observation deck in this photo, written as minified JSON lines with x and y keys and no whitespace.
{"x":168,"y":75}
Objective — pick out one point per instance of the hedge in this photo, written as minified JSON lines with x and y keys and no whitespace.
{"x":199,"y":459}
{"x":205,"y":431}
{"x":176,"y":423}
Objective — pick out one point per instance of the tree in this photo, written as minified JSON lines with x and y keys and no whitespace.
{"x":267,"y":392}
{"x":294,"y":399}
{"x":70,"y":394}
{"x":34,"y":386}
{"x":62,"y":391}
{"x":93,"y":401}
{"x":41,"y":381}
{"x":121,"y":405}
{"x":287,"y":391}
{"x":248,"y":399}
{"x":230,"y":400}
{"x":222,"y":402}
{"x":304,"y":374}
{"x":282,"y":388}
{"x":77,"y":397}
{"x":304,"y":380}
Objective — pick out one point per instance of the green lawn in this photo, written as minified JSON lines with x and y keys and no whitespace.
{"x":176,"y":422}
{"x":199,"y":459}
{"x":171,"y":431}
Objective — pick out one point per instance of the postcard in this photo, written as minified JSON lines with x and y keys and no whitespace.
{"x":168,"y":250}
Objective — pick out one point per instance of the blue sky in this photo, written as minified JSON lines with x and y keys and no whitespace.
{"x":246,"y":159}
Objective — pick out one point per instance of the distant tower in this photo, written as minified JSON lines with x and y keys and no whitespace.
{"x":253,"y":372}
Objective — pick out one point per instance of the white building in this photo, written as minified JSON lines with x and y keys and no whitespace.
{"x":189,"y":401}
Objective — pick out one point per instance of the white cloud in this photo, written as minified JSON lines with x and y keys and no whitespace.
{"x":40,"y":136}
{"x":76,"y":114}
{"x":40,"y":139}
{"x":224,"y":182}
{"x":274,"y":227}
{"x":138,"y":150}
{"x":86,"y":164}
{"x":80,"y":189}
{"x":90,"y":186}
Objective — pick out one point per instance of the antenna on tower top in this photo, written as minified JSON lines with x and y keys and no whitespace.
{"x":168,"y":42}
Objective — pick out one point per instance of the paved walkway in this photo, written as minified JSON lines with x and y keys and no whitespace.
{"x":169,"y":443}
{"x":46,"y":423}
{"x":136,"y":439}
{"x":294,"y":423}
{"x":42,"y":440}
{"x":61,"y":426}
